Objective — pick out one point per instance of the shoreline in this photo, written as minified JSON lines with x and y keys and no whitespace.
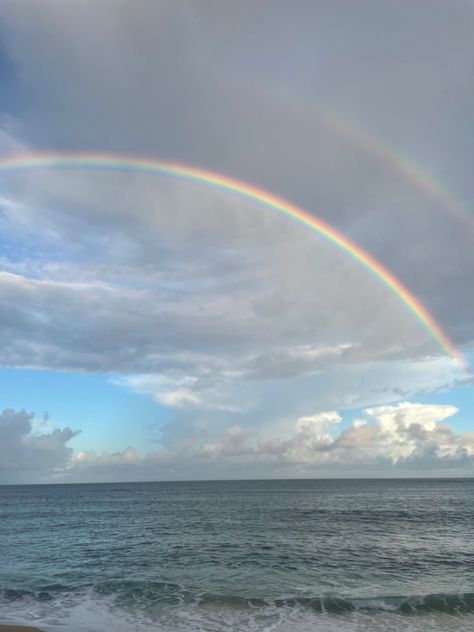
{"x":18,"y":628}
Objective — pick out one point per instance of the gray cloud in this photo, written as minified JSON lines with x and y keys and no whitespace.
{"x":200,"y":300}
{"x":207,"y":278}
{"x":178,"y":79}
{"x":26,"y":455}
{"x":207,"y":307}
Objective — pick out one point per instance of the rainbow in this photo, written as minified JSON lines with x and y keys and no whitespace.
{"x":247,"y":191}
{"x":397,"y":163}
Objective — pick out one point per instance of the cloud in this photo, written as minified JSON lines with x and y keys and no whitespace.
{"x":408,"y":433}
{"x":204,"y":392}
{"x":404,"y":439}
{"x":210,"y":304}
{"x":220,"y":105}
{"x":26,"y":455}
{"x":390,"y":440}
{"x":206,"y":276}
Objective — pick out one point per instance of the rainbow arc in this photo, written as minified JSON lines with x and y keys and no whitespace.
{"x":279,"y":205}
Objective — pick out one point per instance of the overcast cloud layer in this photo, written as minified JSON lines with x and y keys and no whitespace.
{"x":238,"y":320}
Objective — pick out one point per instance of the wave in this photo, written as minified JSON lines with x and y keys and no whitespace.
{"x":139,"y":594}
{"x":454,"y":603}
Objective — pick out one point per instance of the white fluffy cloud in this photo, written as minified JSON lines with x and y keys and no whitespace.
{"x":405,"y":439}
{"x":405,"y":435}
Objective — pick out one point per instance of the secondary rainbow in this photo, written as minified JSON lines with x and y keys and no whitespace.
{"x":392,"y":158}
{"x":219,"y":181}
{"x":398,"y":163}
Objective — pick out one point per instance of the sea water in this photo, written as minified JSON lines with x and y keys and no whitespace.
{"x":299,"y":555}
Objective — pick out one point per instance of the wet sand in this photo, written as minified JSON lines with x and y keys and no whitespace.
{"x":18,"y":628}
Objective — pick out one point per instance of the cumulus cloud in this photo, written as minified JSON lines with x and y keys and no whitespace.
{"x":407,"y":435}
{"x":389,"y":440}
{"x":27,"y":455}
{"x":403,"y":439}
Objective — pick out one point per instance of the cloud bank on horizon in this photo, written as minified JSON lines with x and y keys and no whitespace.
{"x":237,"y":321}
{"x":399,"y":440}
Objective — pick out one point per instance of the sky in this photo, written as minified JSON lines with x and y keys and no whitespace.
{"x":158,"y":328}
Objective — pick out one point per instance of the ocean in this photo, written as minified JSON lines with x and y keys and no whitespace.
{"x":294,"y":555}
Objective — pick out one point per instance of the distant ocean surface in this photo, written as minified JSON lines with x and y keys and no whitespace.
{"x":332,"y":555}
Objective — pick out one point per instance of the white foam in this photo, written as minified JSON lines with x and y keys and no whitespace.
{"x":89,"y":612}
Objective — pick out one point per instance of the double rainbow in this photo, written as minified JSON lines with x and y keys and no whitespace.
{"x":281,"y":206}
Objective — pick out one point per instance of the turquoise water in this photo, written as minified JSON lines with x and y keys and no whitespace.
{"x":247,"y":555}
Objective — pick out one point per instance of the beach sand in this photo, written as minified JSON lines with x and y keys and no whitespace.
{"x":18,"y":628}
